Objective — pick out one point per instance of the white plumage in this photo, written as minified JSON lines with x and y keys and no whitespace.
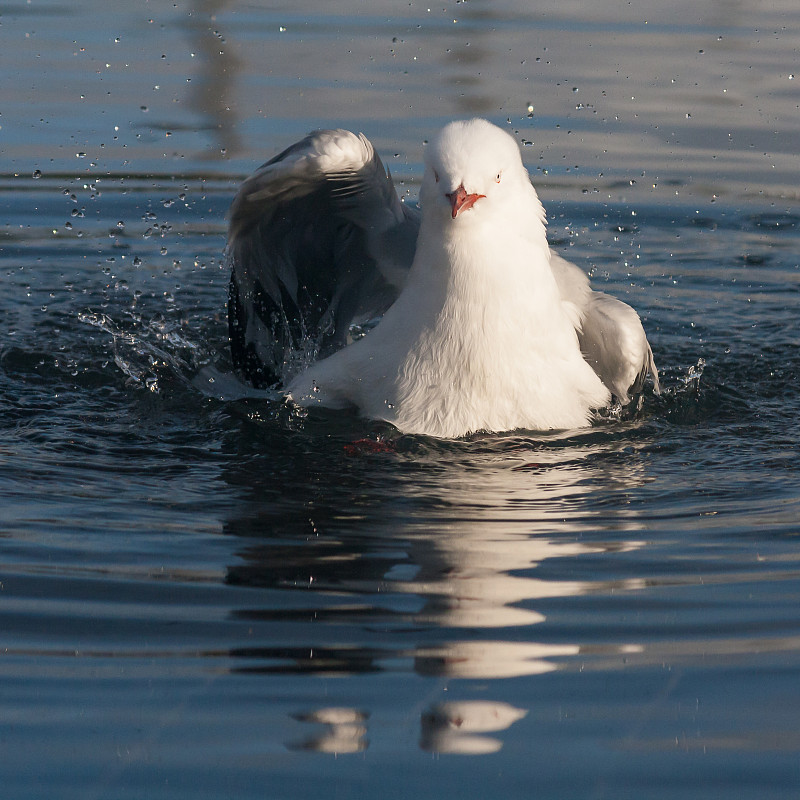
{"x":491,"y":331}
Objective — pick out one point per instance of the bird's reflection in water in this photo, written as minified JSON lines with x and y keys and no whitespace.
{"x":339,"y":730}
{"x":427,"y":575}
{"x":489,"y":658}
{"x":455,"y":727}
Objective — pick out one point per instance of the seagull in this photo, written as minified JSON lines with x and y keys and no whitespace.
{"x":480,"y":325}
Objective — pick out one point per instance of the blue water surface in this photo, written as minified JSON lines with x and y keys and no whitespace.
{"x":206,"y":594}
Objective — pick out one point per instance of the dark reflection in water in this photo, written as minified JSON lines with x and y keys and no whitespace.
{"x":465,"y":64}
{"x":211,"y":93}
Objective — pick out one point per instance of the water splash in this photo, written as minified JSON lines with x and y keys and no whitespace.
{"x":149,"y":352}
{"x":691,"y":380}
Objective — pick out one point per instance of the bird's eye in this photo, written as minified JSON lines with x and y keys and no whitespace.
{"x":436,"y":176}
{"x":497,"y":177}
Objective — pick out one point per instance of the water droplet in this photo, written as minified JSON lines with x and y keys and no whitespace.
{"x":530,"y":109}
{"x":137,"y":262}
{"x":37,"y":173}
{"x":120,"y":224}
{"x":80,"y":155}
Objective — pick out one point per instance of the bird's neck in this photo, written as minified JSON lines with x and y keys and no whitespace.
{"x":486,"y":271}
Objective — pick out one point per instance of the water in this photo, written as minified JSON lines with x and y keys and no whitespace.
{"x":205,"y":595}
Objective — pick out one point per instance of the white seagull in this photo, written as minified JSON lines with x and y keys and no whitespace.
{"x":483,"y":327}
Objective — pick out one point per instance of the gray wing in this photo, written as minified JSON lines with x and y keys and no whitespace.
{"x":318,"y":240}
{"x":610,"y":333}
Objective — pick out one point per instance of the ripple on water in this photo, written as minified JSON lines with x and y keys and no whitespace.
{"x":205,"y":561}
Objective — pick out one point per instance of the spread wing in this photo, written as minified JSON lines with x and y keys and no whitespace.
{"x":318,"y":240}
{"x":610,"y":333}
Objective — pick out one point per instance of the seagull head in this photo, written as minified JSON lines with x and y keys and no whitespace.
{"x":473,"y":169}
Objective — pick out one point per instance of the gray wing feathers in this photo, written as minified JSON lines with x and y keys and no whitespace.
{"x":614,"y":343}
{"x":297,"y":172}
{"x":610,"y":333}
{"x":317,"y":239}
{"x":336,"y":173}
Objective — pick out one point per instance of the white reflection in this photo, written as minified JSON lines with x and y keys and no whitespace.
{"x":451,"y":727}
{"x":453,"y":547}
{"x":480,"y":571}
{"x":489,"y":659}
{"x":466,"y":545}
{"x":343,"y":731}
{"x":478,"y":589}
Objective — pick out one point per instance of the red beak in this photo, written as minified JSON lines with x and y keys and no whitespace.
{"x":461,"y":201}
